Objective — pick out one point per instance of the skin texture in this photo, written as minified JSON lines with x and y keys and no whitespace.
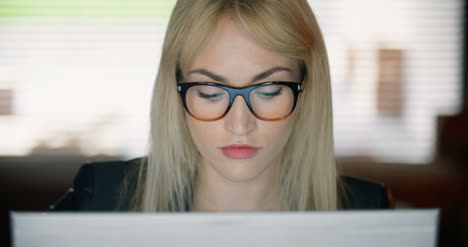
{"x":225,"y":184}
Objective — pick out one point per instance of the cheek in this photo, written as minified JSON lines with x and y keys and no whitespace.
{"x":203,"y":133}
{"x":276,"y":134}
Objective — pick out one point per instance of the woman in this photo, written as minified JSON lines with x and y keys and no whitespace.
{"x":241,"y":120}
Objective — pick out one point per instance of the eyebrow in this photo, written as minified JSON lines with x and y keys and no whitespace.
{"x":260,"y":76}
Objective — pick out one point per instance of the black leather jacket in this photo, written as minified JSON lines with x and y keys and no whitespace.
{"x":97,"y":188}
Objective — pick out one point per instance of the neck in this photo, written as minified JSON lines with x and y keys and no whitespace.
{"x":214,"y":193}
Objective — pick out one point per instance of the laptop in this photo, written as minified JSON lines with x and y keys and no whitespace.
{"x":402,"y":228}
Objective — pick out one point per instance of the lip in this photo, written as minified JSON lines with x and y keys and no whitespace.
{"x":239,"y":151}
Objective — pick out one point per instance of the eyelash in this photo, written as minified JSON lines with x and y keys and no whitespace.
{"x":207,"y":96}
{"x":275,"y":93}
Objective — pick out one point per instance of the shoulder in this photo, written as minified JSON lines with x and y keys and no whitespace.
{"x":358,"y":193}
{"x":104,"y":173}
{"x":97,"y":186}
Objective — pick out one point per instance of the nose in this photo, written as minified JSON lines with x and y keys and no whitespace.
{"x":239,"y":120}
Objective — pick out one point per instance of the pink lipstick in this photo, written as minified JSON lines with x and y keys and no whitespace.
{"x":239,"y":151}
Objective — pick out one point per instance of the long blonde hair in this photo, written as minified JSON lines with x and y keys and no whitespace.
{"x":308,"y":173}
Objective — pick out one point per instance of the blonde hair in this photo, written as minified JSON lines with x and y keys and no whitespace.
{"x":308,"y":173}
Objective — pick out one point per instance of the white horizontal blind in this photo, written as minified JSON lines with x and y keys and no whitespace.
{"x":429,"y":36}
{"x":81,"y":73}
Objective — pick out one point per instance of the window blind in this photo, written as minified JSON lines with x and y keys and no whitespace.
{"x":81,"y":73}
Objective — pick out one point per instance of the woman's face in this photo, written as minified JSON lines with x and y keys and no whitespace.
{"x":239,"y":147}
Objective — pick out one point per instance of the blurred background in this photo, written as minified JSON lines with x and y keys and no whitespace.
{"x":76,"y":80}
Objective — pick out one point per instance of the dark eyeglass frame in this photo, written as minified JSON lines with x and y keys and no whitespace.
{"x":233,"y":92}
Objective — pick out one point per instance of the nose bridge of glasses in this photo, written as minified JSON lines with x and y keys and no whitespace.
{"x":243,"y":92}
{"x":241,"y":97}
{"x":239,"y":115}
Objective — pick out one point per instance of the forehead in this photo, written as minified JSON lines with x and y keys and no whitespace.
{"x":229,"y":51}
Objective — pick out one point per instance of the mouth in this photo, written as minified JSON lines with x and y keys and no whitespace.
{"x":239,"y":151}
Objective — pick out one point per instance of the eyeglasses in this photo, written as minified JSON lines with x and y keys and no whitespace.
{"x":269,"y":101}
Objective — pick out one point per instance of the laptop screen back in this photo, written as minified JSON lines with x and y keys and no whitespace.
{"x":402,"y":228}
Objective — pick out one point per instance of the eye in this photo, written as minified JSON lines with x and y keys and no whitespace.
{"x":212,"y":96}
{"x":209,"y":96}
{"x":269,"y":92}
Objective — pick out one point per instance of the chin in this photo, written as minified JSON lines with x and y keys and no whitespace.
{"x":243,"y":172}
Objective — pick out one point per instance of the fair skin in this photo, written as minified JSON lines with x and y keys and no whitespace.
{"x":223,"y":183}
